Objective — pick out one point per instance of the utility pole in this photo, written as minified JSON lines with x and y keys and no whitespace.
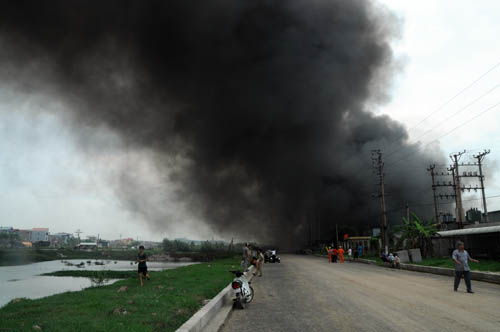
{"x":480,"y":158}
{"x":458,"y":190}
{"x":78,"y":232}
{"x":431,"y":169}
{"x":337,"y":234}
{"x":318,"y":219}
{"x":378,"y":165}
{"x":407,"y":212}
{"x":308,"y":216}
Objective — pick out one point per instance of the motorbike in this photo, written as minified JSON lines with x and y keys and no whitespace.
{"x":242,"y":290}
{"x":271,"y":257}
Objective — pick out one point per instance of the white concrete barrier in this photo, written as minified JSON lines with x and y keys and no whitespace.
{"x":204,"y":316}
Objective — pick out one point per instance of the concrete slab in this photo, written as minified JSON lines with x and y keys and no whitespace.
{"x":415,"y":255}
{"x":404,"y":257}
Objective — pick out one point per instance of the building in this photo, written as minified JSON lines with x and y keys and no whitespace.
{"x":86,"y":246}
{"x":63,"y":237}
{"x":127,"y":241}
{"x":6,"y":229}
{"x":494,"y":216}
{"x":355,"y":242}
{"x":60,"y":239}
{"x":102,"y":244}
{"x":24,"y":235}
{"x":480,"y":242}
{"x":39,"y":234}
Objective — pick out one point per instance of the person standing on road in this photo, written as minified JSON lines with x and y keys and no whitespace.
{"x":461,"y":258}
{"x":349,"y":254}
{"x":260,"y":262}
{"x":360,"y":250}
{"x":334,"y":254}
{"x":340,"y":252}
{"x":329,"y":251}
{"x":356,"y":253}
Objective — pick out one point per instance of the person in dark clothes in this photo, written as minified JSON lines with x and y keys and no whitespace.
{"x":143,"y":268}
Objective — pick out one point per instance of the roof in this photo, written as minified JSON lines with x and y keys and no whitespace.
{"x":40,"y":229}
{"x":359,"y":238}
{"x":88,"y":244}
{"x":470,"y":231}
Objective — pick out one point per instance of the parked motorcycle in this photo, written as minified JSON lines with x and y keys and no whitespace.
{"x":242,"y":290}
{"x":271,"y":257}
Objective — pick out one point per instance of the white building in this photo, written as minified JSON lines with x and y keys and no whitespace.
{"x":39,"y":234}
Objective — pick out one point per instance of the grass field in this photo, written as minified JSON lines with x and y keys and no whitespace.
{"x":483,"y":265}
{"x":163,"y":304}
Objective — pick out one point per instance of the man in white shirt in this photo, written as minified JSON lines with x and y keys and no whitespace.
{"x":461,"y":258}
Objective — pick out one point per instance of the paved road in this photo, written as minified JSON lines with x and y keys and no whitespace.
{"x":305,"y":293}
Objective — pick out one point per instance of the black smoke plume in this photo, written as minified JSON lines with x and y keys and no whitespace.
{"x":258,"y":111}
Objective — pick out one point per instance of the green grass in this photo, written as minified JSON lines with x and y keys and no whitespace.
{"x":163,"y":304}
{"x":94,"y":274}
{"x":483,"y":265}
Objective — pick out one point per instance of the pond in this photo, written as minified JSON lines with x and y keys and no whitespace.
{"x":25,"y":280}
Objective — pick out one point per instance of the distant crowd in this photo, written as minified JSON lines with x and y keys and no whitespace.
{"x":336,"y":255}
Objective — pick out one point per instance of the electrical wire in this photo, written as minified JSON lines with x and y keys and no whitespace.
{"x":435,"y":111}
{"x":447,"y":133}
{"x":448,"y":118}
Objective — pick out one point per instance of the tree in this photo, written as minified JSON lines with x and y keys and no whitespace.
{"x":206,"y":247}
{"x":9,"y":239}
{"x":181,"y":246}
{"x":168,"y":246}
{"x":417,"y":234}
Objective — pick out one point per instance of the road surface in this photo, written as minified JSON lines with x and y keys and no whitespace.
{"x":306,"y":293}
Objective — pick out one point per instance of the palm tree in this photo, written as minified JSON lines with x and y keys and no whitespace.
{"x":417,"y":234}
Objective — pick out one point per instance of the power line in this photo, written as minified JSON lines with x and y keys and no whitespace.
{"x":455,"y":96}
{"x":465,"y":200}
{"x":448,"y":118}
{"x":448,"y":132}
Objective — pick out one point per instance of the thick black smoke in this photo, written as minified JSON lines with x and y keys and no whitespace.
{"x":257,"y":110}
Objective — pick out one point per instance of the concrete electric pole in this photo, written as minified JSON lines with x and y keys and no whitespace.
{"x":458,"y":189}
{"x":431,"y":169}
{"x":378,"y":166}
{"x":480,"y":158}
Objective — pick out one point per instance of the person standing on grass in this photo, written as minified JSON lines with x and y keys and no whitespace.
{"x":461,"y":258}
{"x":142,"y":268}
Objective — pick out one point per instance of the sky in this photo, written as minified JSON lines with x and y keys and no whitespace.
{"x":444,"y":46}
